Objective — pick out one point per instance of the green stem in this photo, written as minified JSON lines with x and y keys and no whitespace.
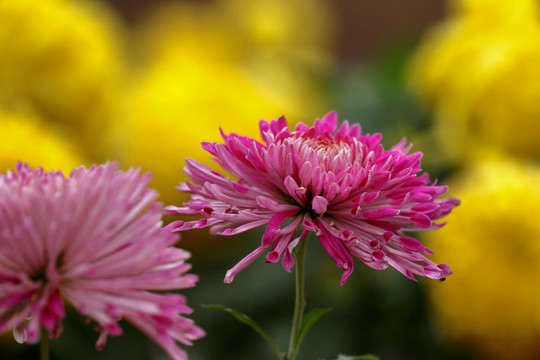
{"x":300,"y":301}
{"x":44,"y":344}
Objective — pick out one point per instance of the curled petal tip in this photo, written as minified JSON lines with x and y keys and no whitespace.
{"x":229,"y":277}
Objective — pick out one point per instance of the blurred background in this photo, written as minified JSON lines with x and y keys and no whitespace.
{"x":144,"y":82}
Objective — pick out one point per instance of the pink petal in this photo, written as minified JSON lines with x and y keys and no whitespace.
{"x":319,"y":204}
{"x":380,"y":213}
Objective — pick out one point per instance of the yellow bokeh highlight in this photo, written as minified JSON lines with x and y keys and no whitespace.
{"x":299,"y":30}
{"x":199,"y":31}
{"x":479,"y":72}
{"x":491,"y":303}
{"x":25,"y":137}
{"x":63,"y":59}
{"x":168,"y":119}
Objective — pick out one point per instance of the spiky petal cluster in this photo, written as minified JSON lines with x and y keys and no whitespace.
{"x":94,"y":239}
{"x":358,"y":198}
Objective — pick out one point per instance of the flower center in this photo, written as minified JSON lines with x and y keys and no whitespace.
{"x":324,"y":145}
{"x":39,"y":275}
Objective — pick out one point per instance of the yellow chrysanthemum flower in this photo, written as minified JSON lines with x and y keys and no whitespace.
{"x":491,"y":303}
{"x":176,"y":105}
{"x":197,"y":30}
{"x":62,"y":58}
{"x":194,"y":77}
{"x":239,"y":30}
{"x":287,"y":49}
{"x":286,"y":70}
{"x":24,"y":137}
{"x":479,"y":71}
{"x":300,"y":30}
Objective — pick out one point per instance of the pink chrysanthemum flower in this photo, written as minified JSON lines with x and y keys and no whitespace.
{"x":95,"y":240}
{"x":359,"y":199}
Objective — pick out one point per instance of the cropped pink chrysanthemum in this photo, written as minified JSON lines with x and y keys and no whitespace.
{"x":359,"y":199}
{"x":95,"y":240}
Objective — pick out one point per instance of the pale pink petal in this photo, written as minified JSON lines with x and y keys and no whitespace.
{"x":94,"y":240}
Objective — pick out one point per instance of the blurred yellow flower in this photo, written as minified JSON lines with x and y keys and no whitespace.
{"x":299,"y":30}
{"x":63,"y":59}
{"x":287,"y":49}
{"x":25,"y":137}
{"x":176,"y":105}
{"x":491,"y":303}
{"x":286,"y":66}
{"x":479,"y":72}
{"x":197,"y":30}
{"x":239,"y":30}
{"x":196,"y":73}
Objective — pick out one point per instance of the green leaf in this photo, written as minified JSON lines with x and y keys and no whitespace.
{"x":243,"y":318}
{"x":357,"y":357}
{"x":308,"y":321}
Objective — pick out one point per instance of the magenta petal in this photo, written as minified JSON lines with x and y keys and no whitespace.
{"x":384,"y":225}
{"x":309,"y":225}
{"x":274,"y":224}
{"x":20,"y":334}
{"x":346,"y":235}
{"x":287,"y":261}
{"x":290,"y":184}
{"x":347,"y":272}
{"x":358,"y":198}
{"x":272,"y":256}
{"x":267,"y":203}
{"x":380,"y":180}
{"x":368,"y":197}
{"x":378,"y":255}
{"x":338,"y":251}
{"x":420,"y":197}
{"x":425,"y":207}
{"x":411,"y":243}
{"x":328,"y":123}
{"x":240,"y":188}
{"x":421,"y":220}
{"x":380,"y":213}
{"x":319,"y":204}
{"x":305,"y":173}
{"x":242,"y":264}
{"x":102,"y":339}
{"x":279,"y":246}
{"x":446,"y":271}
{"x":387,"y":236}
{"x":433,"y":272}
